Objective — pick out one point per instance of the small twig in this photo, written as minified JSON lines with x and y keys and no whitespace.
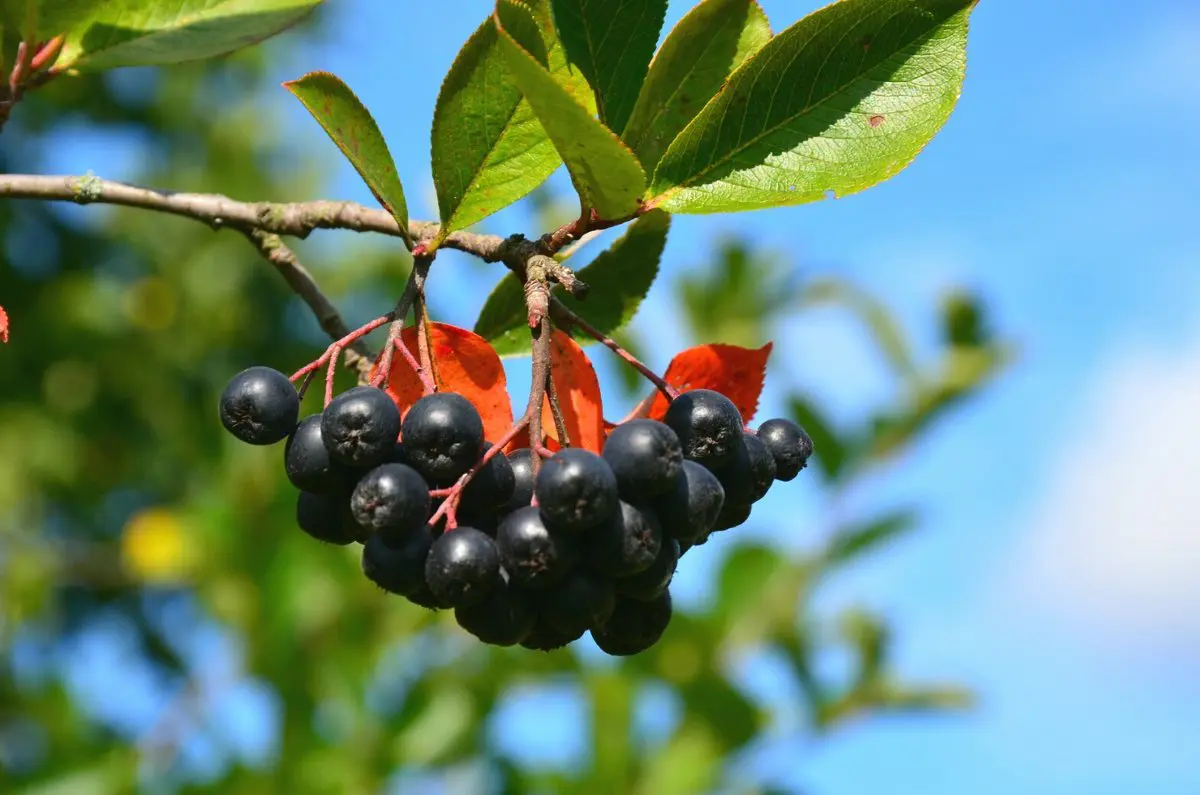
{"x":413,"y":287}
{"x":339,"y":345}
{"x":423,"y":342}
{"x":560,"y":422}
{"x":569,"y":232}
{"x":567,"y":317}
{"x":426,"y":382}
{"x":537,"y":390}
{"x":454,"y":493}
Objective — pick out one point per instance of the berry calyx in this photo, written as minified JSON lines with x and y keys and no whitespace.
{"x":690,"y":509}
{"x":398,"y":565}
{"x":443,"y":436}
{"x":391,"y":499}
{"x":576,"y":490}
{"x":360,"y":427}
{"x":530,"y":553}
{"x":708,"y":425}
{"x":260,"y":406}
{"x":649,"y":583}
{"x":463,"y":567}
{"x":327,"y":517}
{"x":634,"y":626}
{"x":645,"y":457}
{"x":626,"y":544}
{"x":789,"y":445}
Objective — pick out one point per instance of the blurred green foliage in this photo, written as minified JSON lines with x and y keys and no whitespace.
{"x":126,"y":514}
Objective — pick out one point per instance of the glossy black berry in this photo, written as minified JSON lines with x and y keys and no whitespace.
{"x":522,"y":469}
{"x":645,"y":456}
{"x":544,"y":637}
{"x":505,"y":618}
{"x":689,"y":510}
{"x":708,"y":426}
{"x":732,"y":515}
{"x":789,"y":445}
{"x":424,"y":597}
{"x":627,"y":543}
{"x":391,"y":499}
{"x":532,"y":556}
{"x":648,"y":584}
{"x":492,"y":485}
{"x":307,"y":462}
{"x":684,"y":546}
{"x":260,"y":406}
{"x":576,"y":490}
{"x":360,"y":427}
{"x":634,"y":626}
{"x":327,"y":517}
{"x":582,"y":601}
{"x":747,"y":478}
{"x":463,"y":566}
{"x":443,"y":436}
{"x":398,"y":565}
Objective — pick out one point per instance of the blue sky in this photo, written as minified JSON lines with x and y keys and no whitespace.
{"x":1056,"y":571}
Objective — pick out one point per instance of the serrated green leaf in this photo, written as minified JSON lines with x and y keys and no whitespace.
{"x":352,"y":128}
{"x":605,"y":173}
{"x":105,"y":34}
{"x":840,"y":101}
{"x":620,"y":277}
{"x":693,"y":63}
{"x":612,"y":47}
{"x":851,"y":542}
{"x":489,"y":149}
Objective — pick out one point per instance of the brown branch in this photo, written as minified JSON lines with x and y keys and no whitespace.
{"x":560,"y":422}
{"x":537,"y":390}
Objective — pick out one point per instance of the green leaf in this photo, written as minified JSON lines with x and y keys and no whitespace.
{"x":612,"y":47}
{"x":105,"y":34}
{"x":693,"y":63}
{"x":851,"y":542}
{"x":489,"y":149}
{"x":840,"y":101}
{"x":620,"y":278}
{"x":350,"y":125}
{"x":605,"y":173}
{"x":830,"y":452}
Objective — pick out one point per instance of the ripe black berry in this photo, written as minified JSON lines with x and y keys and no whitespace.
{"x":360,"y":427}
{"x":327,"y":517}
{"x":531,"y":555}
{"x":576,"y":490}
{"x":689,"y":510}
{"x":749,"y":476}
{"x":398,"y":565}
{"x":708,"y":426}
{"x":645,"y":456}
{"x":577,"y":604}
{"x":260,"y":406}
{"x":648,"y":584}
{"x":506,"y":617}
{"x":627,"y":543}
{"x":544,"y":637}
{"x":463,"y":566}
{"x":732,"y":515}
{"x":522,"y":469}
{"x":492,"y":485}
{"x":443,"y":436}
{"x":307,"y":462}
{"x":634,"y":626}
{"x":391,"y":499}
{"x":789,"y":445}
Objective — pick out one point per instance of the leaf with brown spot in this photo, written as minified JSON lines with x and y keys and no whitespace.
{"x":738,"y":373}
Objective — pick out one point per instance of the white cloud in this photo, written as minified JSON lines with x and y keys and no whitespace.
{"x":1114,"y":540}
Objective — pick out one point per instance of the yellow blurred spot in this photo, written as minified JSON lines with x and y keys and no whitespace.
{"x":679,"y":662}
{"x":155,"y":547}
{"x":150,"y":304}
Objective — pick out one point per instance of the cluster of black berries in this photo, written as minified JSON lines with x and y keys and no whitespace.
{"x":590,"y":543}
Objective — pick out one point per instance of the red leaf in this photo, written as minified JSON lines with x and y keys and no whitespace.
{"x":737,"y":373}
{"x":3,"y":325}
{"x":578,"y":395}
{"x":465,"y":363}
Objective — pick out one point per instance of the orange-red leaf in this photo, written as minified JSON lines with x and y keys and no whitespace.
{"x":737,"y":373}
{"x":465,"y":363}
{"x":3,"y":325}
{"x":578,"y":395}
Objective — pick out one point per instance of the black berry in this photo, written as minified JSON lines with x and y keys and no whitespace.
{"x":689,"y":510}
{"x":360,"y":427}
{"x":634,"y":626}
{"x":398,"y":565}
{"x":506,"y":617}
{"x":522,"y":469}
{"x":260,"y":406}
{"x":443,"y":436}
{"x":544,"y":637}
{"x":648,"y":584}
{"x":391,"y":499}
{"x":577,"y":604}
{"x":626,"y":544}
{"x":307,"y":462}
{"x":750,"y":474}
{"x":576,"y":490}
{"x":463,"y":566}
{"x":492,"y":485}
{"x":327,"y":517}
{"x":708,"y":426}
{"x":789,"y":445}
{"x":645,"y":456}
{"x":732,"y":515}
{"x":531,"y":555}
